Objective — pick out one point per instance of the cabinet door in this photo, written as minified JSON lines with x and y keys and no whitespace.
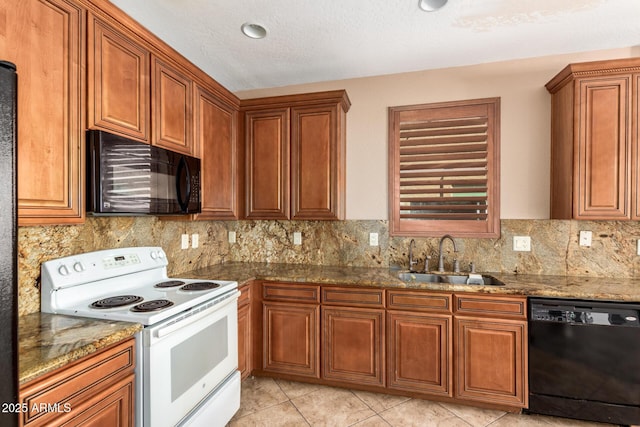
{"x":216,"y":143}
{"x":604,"y":151}
{"x":267,"y":164}
{"x":419,"y":352}
{"x":113,"y":407}
{"x":317,"y":154}
{"x":171,"y":107}
{"x":118,"y":93}
{"x":45,"y":40}
{"x":491,"y":361}
{"x":353,"y":345}
{"x":291,"y":339}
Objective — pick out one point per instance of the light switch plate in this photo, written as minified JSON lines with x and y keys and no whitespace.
{"x":195,"y":240}
{"x":185,"y":241}
{"x":297,"y":238}
{"x":373,"y":239}
{"x":232,"y":237}
{"x":522,"y":243}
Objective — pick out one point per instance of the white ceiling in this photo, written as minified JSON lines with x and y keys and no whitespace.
{"x":322,"y":40}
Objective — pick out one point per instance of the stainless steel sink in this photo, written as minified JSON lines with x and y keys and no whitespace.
{"x":420,"y":277}
{"x":454,"y":279}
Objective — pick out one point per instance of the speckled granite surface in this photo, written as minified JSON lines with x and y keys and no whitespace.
{"x":49,"y":341}
{"x":622,"y":289}
{"x":554,"y":246}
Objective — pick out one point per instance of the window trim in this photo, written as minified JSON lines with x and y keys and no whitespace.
{"x":490,"y":228}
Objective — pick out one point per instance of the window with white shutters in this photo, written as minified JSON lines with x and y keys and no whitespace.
{"x":444,"y":169}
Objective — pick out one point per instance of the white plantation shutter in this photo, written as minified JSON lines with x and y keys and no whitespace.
{"x":444,"y":161}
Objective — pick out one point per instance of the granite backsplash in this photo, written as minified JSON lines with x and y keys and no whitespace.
{"x":554,"y":246}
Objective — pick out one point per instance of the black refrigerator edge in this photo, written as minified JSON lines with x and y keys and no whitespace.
{"x":9,"y":247}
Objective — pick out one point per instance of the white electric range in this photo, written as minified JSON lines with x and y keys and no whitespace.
{"x":186,"y":362}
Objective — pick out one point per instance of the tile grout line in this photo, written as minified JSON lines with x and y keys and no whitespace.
{"x":290,"y":400}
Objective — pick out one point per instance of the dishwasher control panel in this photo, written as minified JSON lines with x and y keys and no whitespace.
{"x":585,"y":312}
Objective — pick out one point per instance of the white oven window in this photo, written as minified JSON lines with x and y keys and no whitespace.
{"x":185,"y":361}
{"x":186,"y":370}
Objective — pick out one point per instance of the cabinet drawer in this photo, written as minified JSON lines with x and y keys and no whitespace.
{"x":69,"y":387}
{"x":491,"y":305}
{"x":353,"y":297}
{"x":291,"y":292}
{"x":418,"y":301}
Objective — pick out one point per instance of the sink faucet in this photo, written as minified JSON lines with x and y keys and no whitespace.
{"x":441,"y":255}
{"x":412,"y":262}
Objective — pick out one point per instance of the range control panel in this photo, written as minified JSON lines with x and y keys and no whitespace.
{"x":93,"y":266}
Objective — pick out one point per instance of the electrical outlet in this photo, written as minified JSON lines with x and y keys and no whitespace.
{"x":373,"y":239}
{"x":195,"y":240}
{"x":185,"y":241}
{"x":232,"y":237}
{"x":638,"y":249}
{"x":522,"y":243}
{"x":297,"y":238}
{"x":585,"y":238}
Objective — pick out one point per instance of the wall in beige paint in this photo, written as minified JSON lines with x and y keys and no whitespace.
{"x":525,"y":125}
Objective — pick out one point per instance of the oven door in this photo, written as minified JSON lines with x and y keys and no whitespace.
{"x":186,"y":358}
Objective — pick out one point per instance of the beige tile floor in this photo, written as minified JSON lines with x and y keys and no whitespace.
{"x":269,"y":402}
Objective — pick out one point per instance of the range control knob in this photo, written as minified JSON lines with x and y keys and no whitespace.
{"x":154,"y":255}
{"x":78,"y":267}
{"x":63,"y":270}
{"x":160,"y":254}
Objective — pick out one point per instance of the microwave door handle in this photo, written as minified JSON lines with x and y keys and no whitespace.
{"x":183,"y":201}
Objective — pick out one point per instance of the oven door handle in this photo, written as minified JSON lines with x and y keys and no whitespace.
{"x":184,"y":322}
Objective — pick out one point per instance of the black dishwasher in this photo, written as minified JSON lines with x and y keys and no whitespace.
{"x":584,"y":360}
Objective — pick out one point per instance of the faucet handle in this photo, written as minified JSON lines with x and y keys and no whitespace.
{"x":472,"y":267}
{"x":456,"y":266}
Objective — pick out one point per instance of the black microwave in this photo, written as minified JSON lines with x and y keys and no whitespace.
{"x":127,"y":177}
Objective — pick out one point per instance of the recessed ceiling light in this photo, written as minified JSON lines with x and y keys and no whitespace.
{"x":254,"y":31}
{"x":431,"y":5}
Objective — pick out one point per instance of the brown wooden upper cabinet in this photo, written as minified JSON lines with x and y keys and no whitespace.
{"x":171,"y":107}
{"x":295,"y":156}
{"x":594,"y":141}
{"x":45,"y":40}
{"x":215,"y":138}
{"x":119,"y":86}
{"x":136,"y":86}
{"x":135,"y":93}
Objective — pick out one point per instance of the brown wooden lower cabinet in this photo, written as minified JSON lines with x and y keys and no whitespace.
{"x":97,"y":390}
{"x":462,"y":347}
{"x":291,"y":338}
{"x":353,"y":345}
{"x":491,"y":360}
{"x":419,"y":352}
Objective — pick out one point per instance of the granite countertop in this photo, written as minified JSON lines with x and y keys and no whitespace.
{"x":613,"y":289}
{"x":49,"y":341}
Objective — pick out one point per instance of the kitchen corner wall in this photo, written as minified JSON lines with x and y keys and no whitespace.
{"x":554,"y":246}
